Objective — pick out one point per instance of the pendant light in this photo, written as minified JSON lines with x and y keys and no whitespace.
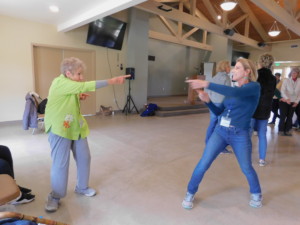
{"x":228,"y":5}
{"x":274,"y":30}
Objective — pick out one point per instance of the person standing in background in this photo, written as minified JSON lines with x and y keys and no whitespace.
{"x":290,"y":93}
{"x":221,"y":77}
{"x":275,"y":102}
{"x":262,"y":113}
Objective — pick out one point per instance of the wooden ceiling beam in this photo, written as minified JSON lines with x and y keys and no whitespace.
{"x":212,"y":11}
{"x":172,"y":39}
{"x":247,"y":27}
{"x":187,"y":34}
{"x":179,"y":28}
{"x":237,"y":21}
{"x":167,"y":1}
{"x":167,"y":24}
{"x":193,"y":7}
{"x":255,"y":22}
{"x":291,"y":6}
{"x":279,"y":14}
{"x":174,"y":14}
{"x":197,"y":11}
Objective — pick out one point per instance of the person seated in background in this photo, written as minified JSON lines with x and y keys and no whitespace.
{"x":6,"y":167}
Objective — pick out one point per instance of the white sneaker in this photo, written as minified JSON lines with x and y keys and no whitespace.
{"x":89,"y":192}
{"x":187,"y":202}
{"x":51,"y":204}
{"x":25,"y":198}
{"x":262,"y":162}
{"x":256,"y":200}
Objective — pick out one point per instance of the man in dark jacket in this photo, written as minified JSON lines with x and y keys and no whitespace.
{"x":260,"y":118}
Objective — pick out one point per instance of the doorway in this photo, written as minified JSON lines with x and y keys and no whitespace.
{"x":47,"y":61}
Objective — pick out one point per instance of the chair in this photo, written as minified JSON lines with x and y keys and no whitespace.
{"x":40,"y":116}
{"x":10,"y":192}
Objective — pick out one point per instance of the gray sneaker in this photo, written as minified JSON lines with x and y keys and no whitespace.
{"x":262,"y":162}
{"x":187,"y":202}
{"x":89,"y":192}
{"x":256,"y":200}
{"x":51,"y":204}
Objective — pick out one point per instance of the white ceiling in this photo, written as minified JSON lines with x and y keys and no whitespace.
{"x":72,"y":14}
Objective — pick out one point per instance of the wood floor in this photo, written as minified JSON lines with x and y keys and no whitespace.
{"x":140,"y":169}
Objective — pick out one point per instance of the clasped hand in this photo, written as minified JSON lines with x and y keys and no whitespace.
{"x":196,"y":84}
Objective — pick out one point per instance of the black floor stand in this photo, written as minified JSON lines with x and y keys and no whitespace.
{"x":127,"y":108}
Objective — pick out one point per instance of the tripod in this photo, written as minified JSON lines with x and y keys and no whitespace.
{"x":127,"y":108}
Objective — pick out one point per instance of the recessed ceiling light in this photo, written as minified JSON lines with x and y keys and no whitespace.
{"x":54,"y":8}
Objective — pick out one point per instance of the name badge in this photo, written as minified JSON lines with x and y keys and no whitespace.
{"x":225,"y":121}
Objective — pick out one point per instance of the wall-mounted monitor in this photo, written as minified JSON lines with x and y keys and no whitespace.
{"x":107,"y":32}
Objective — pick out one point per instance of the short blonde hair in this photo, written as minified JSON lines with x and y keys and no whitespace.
{"x":266,"y":60}
{"x":248,"y":64}
{"x":222,"y":66}
{"x":71,"y":64}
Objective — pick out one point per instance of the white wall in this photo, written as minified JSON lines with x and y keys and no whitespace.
{"x":281,"y":51}
{"x":16,"y":62}
{"x":173,"y":63}
{"x":222,"y":48}
{"x":137,"y":55}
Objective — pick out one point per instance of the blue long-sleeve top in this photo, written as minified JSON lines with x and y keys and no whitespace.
{"x":239,"y":103}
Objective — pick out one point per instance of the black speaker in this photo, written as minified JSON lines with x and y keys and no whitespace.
{"x":151,"y":58}
{"x":261,"y":44}
{"x":229,"y":32}
{"x":131,"y":72}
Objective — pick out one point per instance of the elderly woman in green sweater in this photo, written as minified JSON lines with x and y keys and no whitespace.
{"x":68,"y":130}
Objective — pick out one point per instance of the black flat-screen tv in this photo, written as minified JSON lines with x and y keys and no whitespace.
{"x":106,"y":32}
{"x":238,"y":54}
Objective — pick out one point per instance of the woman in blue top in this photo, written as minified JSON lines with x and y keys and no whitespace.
{"x":233,"y":127}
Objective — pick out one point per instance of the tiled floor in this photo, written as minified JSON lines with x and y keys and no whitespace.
{"x":141,"y":166}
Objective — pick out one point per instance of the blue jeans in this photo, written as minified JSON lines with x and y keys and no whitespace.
{"x":261,"y":127}
{"x":213,"y":121}
{"x":240,"y":141}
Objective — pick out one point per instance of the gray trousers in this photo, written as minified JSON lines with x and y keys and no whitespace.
{"x":60,"y":154}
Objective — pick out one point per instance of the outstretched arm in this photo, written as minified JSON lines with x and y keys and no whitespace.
{"x":223,"y":89}
{"x":118,"y":80}
{"x":114,"y":80}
